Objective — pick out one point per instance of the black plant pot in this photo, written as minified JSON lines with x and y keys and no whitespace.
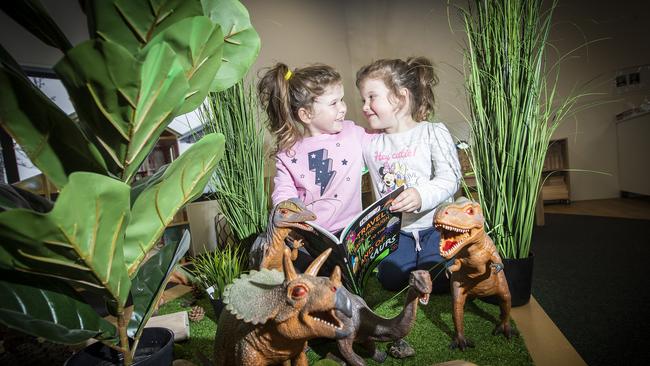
{"x":519,"y":275}
{"x":217,"y":305}
{"x":217,"y":302}
{"x":156,"y":348}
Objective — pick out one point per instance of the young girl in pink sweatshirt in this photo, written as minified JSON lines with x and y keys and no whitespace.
{"x":318,"y":155}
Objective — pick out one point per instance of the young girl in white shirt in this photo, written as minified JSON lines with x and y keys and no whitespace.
{"x":397,"y":101}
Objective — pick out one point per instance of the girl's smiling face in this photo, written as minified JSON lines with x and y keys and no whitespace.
{"x":327,"y":112}
{"x":380,"y":107}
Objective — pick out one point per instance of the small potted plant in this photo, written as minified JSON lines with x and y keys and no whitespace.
{"x":213,"y":271}
{"x":143,"y":65}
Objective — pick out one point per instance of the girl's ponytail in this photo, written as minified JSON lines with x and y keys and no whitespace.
{"x":274,"y":94}
{"x":423,"y":79}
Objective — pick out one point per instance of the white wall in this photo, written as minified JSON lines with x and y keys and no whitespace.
{"x":27,"y":49}
{"x":383,"y":28}
{"x":623,"y":28}
{"x":389,"y":29}
{"x":349,"y":34}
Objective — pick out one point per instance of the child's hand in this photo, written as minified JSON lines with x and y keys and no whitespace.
{"x":407,"y":201}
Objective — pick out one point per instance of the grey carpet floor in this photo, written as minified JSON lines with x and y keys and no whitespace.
{"x":592,"y":277}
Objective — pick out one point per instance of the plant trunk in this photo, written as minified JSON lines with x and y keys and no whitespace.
{"x":122,"y":322}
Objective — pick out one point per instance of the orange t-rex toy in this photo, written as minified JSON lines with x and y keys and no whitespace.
{"x":477,"y":270}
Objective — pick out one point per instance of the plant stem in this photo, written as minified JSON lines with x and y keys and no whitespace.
{"x":122,"y":322}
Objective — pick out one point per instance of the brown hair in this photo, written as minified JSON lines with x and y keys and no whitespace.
{"x":415,"y":74}
{"x":282,"y":94}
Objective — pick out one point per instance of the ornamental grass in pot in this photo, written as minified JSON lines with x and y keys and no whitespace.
{"x":238,"y":182}
{"x":145,"y":63}
{"x":213,"y":271}
{"x":514,"y":110}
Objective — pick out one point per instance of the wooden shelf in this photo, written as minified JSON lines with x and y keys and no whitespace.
{"x":555,"y":176}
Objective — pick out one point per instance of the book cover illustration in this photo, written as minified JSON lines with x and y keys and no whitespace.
{"x":365,"y":242}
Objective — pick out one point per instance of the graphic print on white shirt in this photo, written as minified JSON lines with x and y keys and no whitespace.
{"x":395,"y":175}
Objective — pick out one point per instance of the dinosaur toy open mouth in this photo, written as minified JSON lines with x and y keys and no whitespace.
{"x":452,"y":238}
{"x":298,"y":225}
{"x":327,"y":318}
{"x":424,"y":299}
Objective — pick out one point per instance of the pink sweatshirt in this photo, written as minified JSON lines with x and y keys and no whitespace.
{"x":324,"y":172}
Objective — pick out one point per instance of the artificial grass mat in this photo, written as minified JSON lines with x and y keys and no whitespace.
{"x":430,"y":337}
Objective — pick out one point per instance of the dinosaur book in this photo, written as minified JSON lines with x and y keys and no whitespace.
{"x":359,"y":248}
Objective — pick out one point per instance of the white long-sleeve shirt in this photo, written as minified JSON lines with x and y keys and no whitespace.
{"x":424,"y":158}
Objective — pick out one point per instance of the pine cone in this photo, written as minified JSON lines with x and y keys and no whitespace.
{"x":196,"y":314}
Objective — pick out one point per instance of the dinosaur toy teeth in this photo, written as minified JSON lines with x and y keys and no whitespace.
{"x":424,"y":299}
{"x":304,"y":226}
{"x":297,"y":224}
{"x":328,"y":318}
{"x":451,"y":238}
{"x":451,"y":228}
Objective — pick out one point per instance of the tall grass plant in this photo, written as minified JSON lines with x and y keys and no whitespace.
{"x":239,"y":178}
{"x":514,"y":110}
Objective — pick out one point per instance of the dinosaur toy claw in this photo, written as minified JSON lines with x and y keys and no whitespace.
{"x":461,"y":343}
{"x":498,"y":267}
{"x":506,"y":330}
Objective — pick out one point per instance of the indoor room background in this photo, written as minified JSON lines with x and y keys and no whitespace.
{"x":350,"y":33}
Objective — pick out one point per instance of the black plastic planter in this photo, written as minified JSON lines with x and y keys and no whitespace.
{"x":217,"y":306}
{"x":519,"y":274}
{"x":156,"y":348}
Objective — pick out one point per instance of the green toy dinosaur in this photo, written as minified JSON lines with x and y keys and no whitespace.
{"x":271,"y":315}
{"x":266,"y":251}
{"x":477,"y":268}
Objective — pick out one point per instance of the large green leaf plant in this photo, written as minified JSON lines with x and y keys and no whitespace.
{"x":145,"y":62}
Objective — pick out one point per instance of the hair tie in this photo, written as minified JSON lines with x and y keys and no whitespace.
{"x":288,"y":75}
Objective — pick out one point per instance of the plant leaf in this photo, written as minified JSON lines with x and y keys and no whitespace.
{"x":53,"y":142}
{"x":80,"y":241}
{"x":198,"y":43}
{"x":13,"y":197}
{"x":242,"y":43}
{"x":183,"y":180}
{"x":128,"y":103}
{"x":150,"y":282}
{"x":140,"y":185}
{"x":52,"y":310}
{"x":162,"y":91}
{"x":31,"y":15}
{"x":133,"y":23}
{"x":102,"y":81}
